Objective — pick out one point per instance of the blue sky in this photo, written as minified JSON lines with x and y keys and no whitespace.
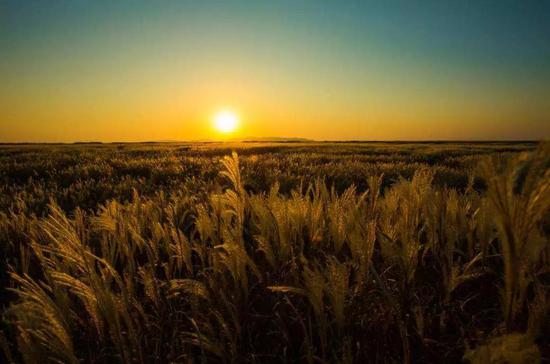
{"x":137,"y":70}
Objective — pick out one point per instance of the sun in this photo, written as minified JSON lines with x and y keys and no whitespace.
{"x":226,"y":121}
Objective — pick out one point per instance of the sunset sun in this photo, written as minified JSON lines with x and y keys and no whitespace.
{"x":226,"y":121}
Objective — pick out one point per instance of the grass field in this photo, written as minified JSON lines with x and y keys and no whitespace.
{"x":275,"y":252}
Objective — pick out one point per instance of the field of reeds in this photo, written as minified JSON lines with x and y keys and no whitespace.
{"x":275,"y":253}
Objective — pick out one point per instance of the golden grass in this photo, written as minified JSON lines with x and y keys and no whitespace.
{"x":313,"y":275}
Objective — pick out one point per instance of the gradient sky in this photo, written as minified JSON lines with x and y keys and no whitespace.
{"x":158,"y":70}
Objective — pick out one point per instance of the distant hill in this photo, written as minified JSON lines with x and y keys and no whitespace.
{"x":254,"y":140}
{"x":271,"y":139}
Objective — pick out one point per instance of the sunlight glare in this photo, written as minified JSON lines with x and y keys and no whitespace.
{"x":226,"y":121}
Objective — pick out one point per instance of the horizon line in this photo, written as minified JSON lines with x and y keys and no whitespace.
{"x":282,"y":140}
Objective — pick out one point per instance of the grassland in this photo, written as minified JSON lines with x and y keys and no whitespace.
{"x":275,"y":252}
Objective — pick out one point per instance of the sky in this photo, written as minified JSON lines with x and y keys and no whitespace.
{"x":326,"y":70}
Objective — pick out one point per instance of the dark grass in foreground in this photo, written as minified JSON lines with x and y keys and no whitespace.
{"x":291,"y":252}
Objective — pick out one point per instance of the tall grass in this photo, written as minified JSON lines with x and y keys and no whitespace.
{"x":402,"y":273}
